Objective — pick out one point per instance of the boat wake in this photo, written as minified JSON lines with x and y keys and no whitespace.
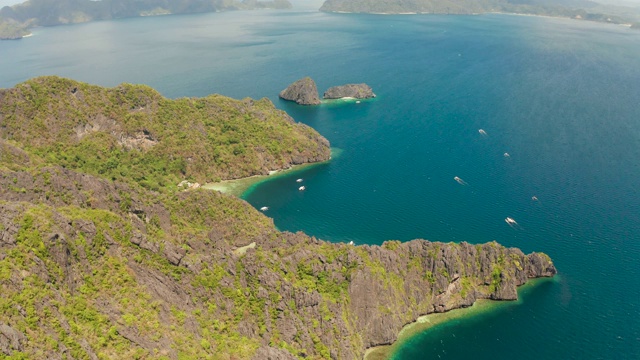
{"x":460,"y":181}
{"x":514,"y":224}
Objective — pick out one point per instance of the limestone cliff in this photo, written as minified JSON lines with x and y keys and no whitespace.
{"x":91,"y":267}
{"x":356,"y":91}
{"x":303,"y":92}
{"x":95,"y":266}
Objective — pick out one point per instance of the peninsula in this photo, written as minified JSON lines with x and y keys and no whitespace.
{"x":102,"y":255}
{"x":16,"y":20}
{"x":576,"y":9}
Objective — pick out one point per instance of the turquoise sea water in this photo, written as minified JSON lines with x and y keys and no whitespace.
{"x":560,"y":97}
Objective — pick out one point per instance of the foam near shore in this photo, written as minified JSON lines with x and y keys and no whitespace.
{"x":429,"y":321}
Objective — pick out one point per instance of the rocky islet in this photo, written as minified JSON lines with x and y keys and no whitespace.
{"x":305,"y":92}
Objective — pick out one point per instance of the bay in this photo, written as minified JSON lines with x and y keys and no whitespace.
{"x":559,"y":96}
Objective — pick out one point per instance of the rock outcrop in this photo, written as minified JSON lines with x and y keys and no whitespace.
{"x":356,"y":91}
{"x":10,"y":340}
{"x":303,"y":92}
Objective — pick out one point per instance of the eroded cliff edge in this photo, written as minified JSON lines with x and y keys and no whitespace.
{"x":92,"y":266}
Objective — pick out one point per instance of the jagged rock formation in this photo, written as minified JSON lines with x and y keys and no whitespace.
{"x":79,"y":244}
{"x":356,"y":91}
{"x":303,"y":92}
{"x":92,"y":267}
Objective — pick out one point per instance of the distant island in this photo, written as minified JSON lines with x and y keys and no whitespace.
{"x":15,"y":21}
{"x":104,"y":253}
{"x":576,"y":9}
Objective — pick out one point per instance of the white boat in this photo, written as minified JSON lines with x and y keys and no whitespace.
{"x":510,"y":221}
{"x":506,"y":155}
{"x":264,"y":208}
{"x":301,"y":188}
{"x":534,"y":198}
{"x":459,"y":181}
{"x":299,"y":180}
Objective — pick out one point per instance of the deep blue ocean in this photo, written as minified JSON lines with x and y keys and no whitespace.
{"x":560,"y":97}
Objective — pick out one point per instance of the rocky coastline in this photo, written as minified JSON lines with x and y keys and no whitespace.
{"x":94,"y":263}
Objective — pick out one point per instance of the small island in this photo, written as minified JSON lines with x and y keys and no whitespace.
{"x":349,"y":91}
{"x":303,"y":92}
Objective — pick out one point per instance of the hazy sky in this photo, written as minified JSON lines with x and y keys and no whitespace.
{"x":297,"y":3}
{"x":315,"y":4}
{"x":9,"y":2}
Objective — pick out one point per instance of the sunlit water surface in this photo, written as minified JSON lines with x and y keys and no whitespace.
{"x":559,"y":96}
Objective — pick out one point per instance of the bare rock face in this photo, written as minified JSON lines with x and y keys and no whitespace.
{"x":291,"y":295}
{"x":270,"y":353}
{"x":356,"y":91}
{"x":10,"y":340}
{"x":303,"y":92}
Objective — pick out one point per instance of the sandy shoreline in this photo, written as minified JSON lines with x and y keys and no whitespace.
{"x":238,"y":187}
{"x":425,"y":322}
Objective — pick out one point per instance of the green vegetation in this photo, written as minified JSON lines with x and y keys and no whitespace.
{"x":103,"y":256}
{"x":132,"y":134}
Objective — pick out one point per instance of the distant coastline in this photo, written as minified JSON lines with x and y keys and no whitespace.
{"x":17,"y":20}
{"x":630,"y":25}
{"x":578,"y":9}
